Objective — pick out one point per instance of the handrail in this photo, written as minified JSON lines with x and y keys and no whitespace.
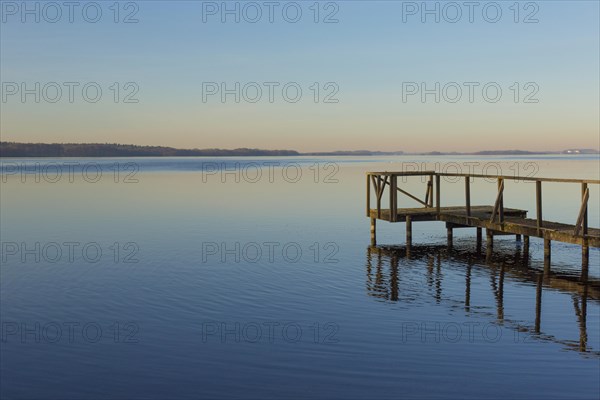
{"x":507,"y":177}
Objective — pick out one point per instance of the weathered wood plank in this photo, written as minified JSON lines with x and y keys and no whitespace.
{"x":412,"y":197}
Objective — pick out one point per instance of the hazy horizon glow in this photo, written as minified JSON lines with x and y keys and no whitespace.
{"x":368,"y":61}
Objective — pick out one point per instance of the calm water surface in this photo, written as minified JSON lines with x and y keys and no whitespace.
{"x":255,"y":278}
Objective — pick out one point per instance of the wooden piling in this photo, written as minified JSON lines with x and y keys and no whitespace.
{"x":547,"y":255}
{"x":408,"y":230}
{"x":526,"y":245}
{"x":585,"y":258}
{"x":489,"y":248}
{"x":373,"y":232}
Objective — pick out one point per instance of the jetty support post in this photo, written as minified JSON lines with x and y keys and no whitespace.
{"x":526,"y":250}
{"x":489,"y":248}
{"x":547,"y":254}
{"x":408,"y":230}
{"x":585,"y":255}
{"x":585,"y":262}
{"x":373,"y":232}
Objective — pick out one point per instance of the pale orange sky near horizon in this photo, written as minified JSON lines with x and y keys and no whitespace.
{"x":341,"y":132}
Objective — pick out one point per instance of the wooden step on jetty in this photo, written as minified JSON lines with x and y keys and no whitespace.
{"x":495,"y":219}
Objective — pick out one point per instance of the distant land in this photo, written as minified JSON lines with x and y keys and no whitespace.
{"x":15,"y":149}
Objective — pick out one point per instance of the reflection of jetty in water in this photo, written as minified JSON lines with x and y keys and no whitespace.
{"x":386,"y":265}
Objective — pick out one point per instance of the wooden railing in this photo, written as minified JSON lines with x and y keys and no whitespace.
{"x":380,"y":180}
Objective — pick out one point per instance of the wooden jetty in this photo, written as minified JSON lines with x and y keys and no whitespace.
{"x":495,"y":219}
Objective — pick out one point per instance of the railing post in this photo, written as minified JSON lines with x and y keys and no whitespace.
{"x":498,"y":205}
{"x":501,"y":194}
{"x":437,"y":193}
{"x":393,"y":198}
{"x":582,"y":216}
{"x":368,"y":195}
{"x":585,"y":250}
{"x":379,"y":193}
{"x":584,"y":189}
{"x":430,"y":190}
{"x":538,"y":202}
{"x":468,"y":195}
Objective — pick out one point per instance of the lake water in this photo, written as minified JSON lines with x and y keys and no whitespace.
{"x":255,"y":278}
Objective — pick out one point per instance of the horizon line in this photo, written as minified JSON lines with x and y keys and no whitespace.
{"x":317,"y":152}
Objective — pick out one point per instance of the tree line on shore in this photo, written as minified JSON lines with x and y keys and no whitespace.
{"x":14,"y":149}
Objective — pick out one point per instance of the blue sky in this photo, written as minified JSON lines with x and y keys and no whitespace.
{"x":368,"y":57}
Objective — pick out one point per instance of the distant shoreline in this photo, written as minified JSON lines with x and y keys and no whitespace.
{"x":41,"y":150}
